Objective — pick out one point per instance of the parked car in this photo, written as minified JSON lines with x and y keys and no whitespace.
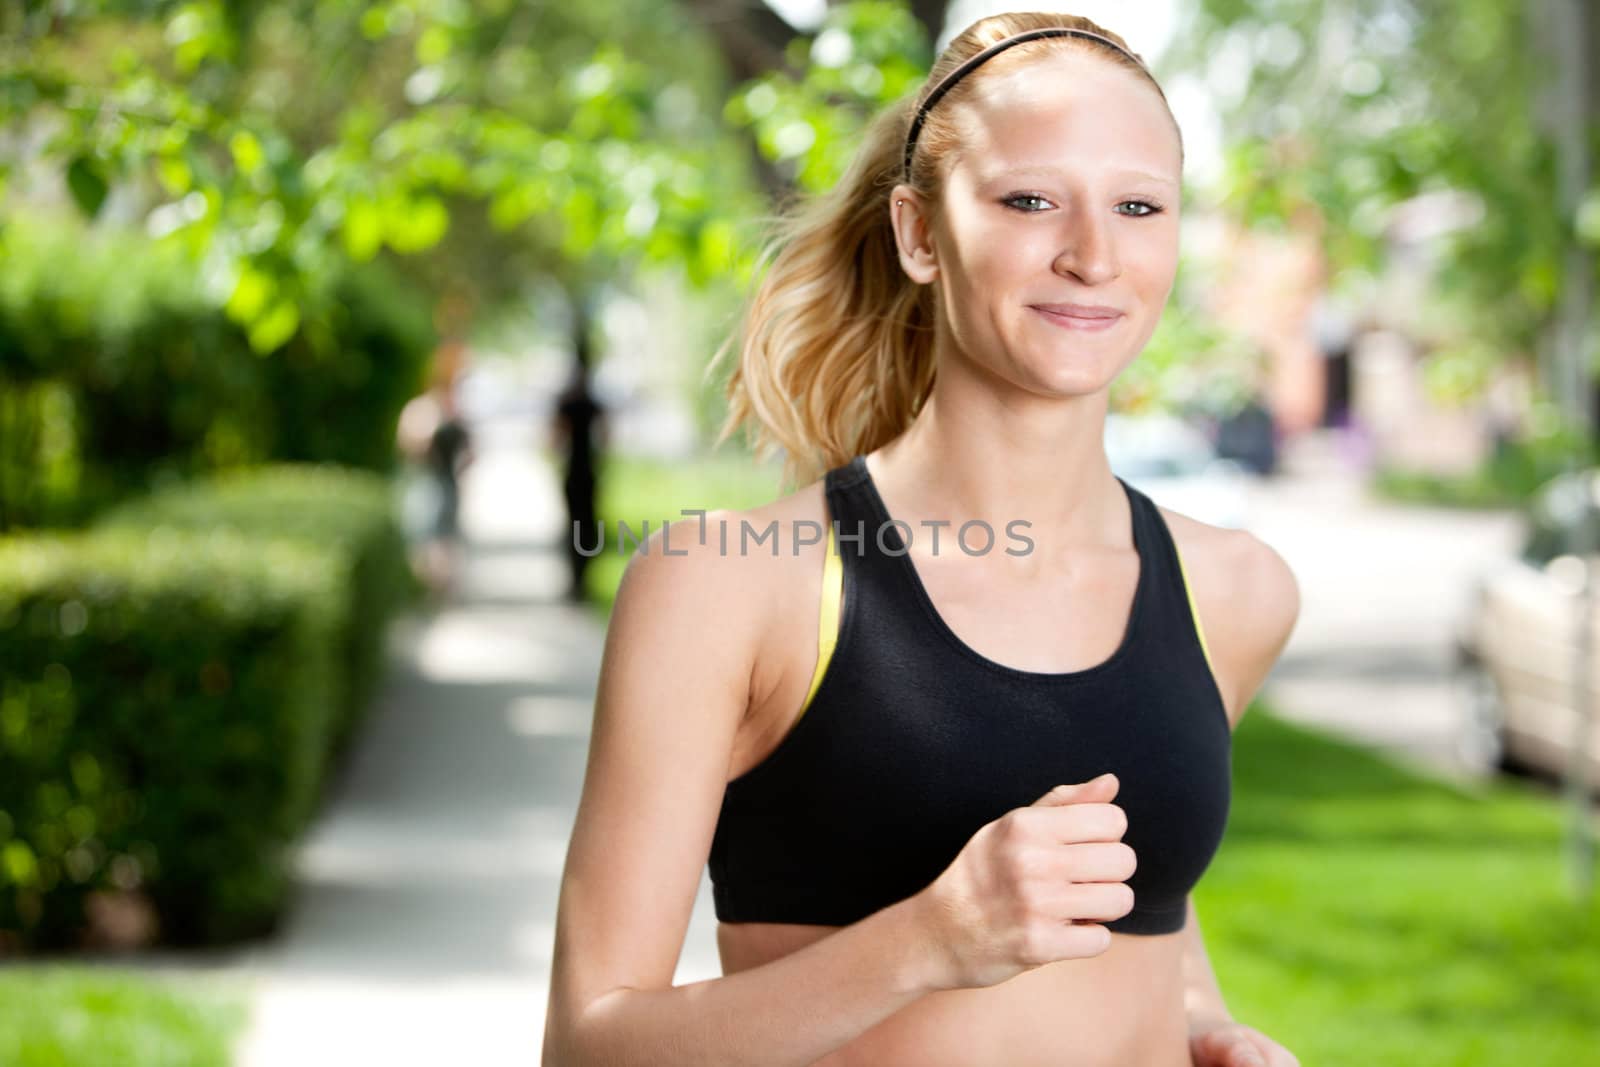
{"x":1516,"y":645}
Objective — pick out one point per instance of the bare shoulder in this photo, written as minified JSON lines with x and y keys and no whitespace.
{"x":1248,"y":600}
{"x":751,"y":572}
{"x":680,"y":667}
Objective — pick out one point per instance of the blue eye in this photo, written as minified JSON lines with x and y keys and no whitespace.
{"x":1025,"y":196}
{"x":1150,"y":206}
{"x":1154,"y":208}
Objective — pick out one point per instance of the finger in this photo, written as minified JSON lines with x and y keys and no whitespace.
{"x":1230,"y":1048}
{"x":1101,"y":788}
{"x":1094,"y":900}
{"x":1243,"y":1053}
{"x":1215,"y":1049}
{"x":1093,"y":861}
{"x":1272,"y":1053}
{"x":1071,"y":823}
{"x":1278,"y":1056}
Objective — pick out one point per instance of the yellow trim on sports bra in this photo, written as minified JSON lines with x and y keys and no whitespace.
{"x":1194,"y":611}
{"x":832,"y":593}
{"x":828,"y":616}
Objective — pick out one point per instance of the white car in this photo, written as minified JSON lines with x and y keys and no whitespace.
{"x":1517,"y":644}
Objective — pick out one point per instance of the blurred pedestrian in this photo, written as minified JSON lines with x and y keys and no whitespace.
{"x":435,"y":438}
{"x":578,"y":432}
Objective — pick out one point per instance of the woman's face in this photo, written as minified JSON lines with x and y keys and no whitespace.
{"x":1065,"y":191}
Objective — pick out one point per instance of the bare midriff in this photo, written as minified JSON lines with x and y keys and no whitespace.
{"x":1122,"y":1008}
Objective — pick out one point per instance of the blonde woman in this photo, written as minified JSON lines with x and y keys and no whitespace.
{"x":954,"y":787}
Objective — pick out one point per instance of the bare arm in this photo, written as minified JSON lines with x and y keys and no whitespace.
{"x":792,"y":1011}
{"x":674,"y":686}
{"x":1248,"y":630}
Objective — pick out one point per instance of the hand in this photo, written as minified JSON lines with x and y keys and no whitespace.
{"x":1225,"y":1043}
{"x":1026,"y":888}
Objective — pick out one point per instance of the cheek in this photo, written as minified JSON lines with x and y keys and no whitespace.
{"x":994,"y":275}
{"x":1156,"y":261}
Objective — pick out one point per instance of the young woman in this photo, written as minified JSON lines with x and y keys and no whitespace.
{"x":954,"y":787}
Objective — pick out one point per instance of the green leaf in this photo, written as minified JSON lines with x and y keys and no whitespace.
{"x":87,"y":185}
{"x":174,"y":172}
{"x":250,"y":293}
{"x":716,"y":246}
{"x":417,"y":224}
{"x":363,"y":230}
{"x":247,"y":153}
{"x":271,"y":330}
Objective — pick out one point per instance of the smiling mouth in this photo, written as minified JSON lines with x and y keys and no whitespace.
{"x":1098,"y":324}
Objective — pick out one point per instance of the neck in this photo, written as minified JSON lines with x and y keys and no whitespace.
{"x":978,"y":452}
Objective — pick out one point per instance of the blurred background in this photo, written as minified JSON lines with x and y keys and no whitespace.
{"x":322,"y":323}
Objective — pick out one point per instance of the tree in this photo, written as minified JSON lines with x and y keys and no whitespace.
{"x":274,"y":138}
{"x":1349,"y":107}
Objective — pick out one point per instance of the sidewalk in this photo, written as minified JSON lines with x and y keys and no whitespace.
{"x":424,"y":917}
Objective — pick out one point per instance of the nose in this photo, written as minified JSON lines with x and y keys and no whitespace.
{"x":1088,"y":248}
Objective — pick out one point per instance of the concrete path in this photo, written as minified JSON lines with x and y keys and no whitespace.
{"x":423,"y":923}
{"x":424,"y":918}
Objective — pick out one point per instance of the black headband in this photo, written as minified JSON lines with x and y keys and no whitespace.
{"x":949,"y":80}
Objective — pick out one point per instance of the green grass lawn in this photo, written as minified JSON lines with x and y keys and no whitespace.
{"x":77,"y":1016}
{"x":634,"y":489}
{"x":1362,"y":914}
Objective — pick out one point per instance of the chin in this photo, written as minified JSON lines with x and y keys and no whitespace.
{"x":1076,"y":370}
{"x":1066,"y":382}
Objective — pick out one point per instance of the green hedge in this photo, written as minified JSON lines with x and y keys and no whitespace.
{"x":176,"y":685}
{"x":165,"y":704}
{"x":348,"y":513}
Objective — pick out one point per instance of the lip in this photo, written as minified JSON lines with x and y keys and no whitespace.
{"x":1079,"y":316}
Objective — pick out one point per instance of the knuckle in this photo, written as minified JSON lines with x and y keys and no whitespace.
{"x":1032,"y":943}
{"x":1119,"y":819}
{"x":1010,"y":826}
{"x":1023,"y":948}
{"x":1022,"y":864}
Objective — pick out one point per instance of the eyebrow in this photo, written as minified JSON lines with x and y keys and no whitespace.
{"x":1053,"y":172}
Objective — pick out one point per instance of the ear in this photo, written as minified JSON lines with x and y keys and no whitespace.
{"x":912,"y":234}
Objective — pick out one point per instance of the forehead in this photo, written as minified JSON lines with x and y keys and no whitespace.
{"x":1063,"y":110}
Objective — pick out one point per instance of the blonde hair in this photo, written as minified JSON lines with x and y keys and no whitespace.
{"x":835,"y":353}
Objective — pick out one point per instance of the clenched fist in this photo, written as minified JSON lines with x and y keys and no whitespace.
{"x":1032,"y":887}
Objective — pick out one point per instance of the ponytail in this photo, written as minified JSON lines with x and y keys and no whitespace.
{"x":836,"y":353}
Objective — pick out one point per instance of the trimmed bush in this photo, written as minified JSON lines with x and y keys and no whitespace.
{"x":346,"y":513}
{"x":166,"y":702}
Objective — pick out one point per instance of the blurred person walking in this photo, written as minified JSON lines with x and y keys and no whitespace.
{"x":578,"y":432}
{"x":435,"y":438}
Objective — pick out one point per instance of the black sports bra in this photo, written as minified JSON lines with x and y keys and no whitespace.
{"x":911,"y":740}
